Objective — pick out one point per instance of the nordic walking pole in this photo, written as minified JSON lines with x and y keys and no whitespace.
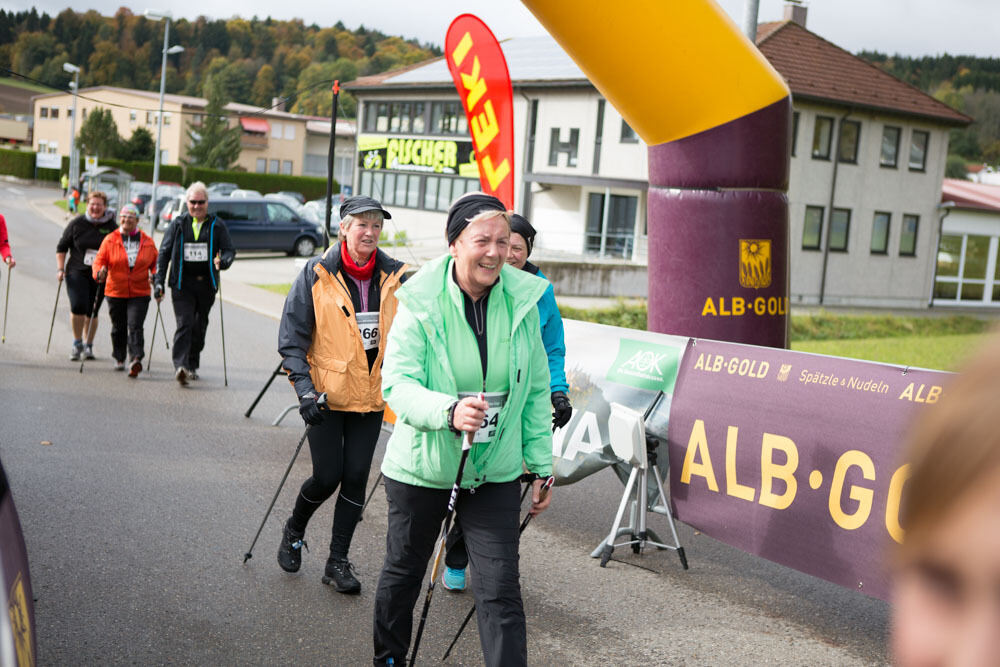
{"x":277,"y":371}
{"x":53,"y":324}
{"x":3,"y":337}
{"x":163,"y":327}
{"x":524,"y":524}
{"x":438,"y":556}
{"x":93,"y":318}
{"x":361,"y":517}
{"x":222,"y":323}
{"x":321,"y":400}
{"x":152,"y":343}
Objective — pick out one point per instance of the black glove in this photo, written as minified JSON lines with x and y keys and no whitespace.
{"x":157,"y":291}
{"x":309,"y":409}
{"x":561,"y":409}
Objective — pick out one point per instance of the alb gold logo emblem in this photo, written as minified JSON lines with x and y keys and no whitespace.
{"x":783,"y":372}
{"x":755,"y":263}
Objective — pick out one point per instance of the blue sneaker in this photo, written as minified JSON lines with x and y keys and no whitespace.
{"x":453,"y":580}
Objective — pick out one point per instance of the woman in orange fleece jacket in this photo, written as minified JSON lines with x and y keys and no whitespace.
{"x":127,"y":260}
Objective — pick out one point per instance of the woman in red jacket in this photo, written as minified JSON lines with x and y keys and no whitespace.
{"x":127,"y":260}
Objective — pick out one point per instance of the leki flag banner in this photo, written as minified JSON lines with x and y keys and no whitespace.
{"x":479,"y":70}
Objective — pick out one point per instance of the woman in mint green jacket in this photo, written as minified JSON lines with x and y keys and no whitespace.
{"x":467,"y":324}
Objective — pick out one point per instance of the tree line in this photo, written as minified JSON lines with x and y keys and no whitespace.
{"x":967,"y":83}
{"x":250,"y":61}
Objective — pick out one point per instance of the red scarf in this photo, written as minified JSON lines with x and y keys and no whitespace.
{"x":357,"y":272}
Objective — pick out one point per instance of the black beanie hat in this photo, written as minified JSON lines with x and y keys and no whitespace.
{"x":466,"y":208}
{"x":520,"y":225}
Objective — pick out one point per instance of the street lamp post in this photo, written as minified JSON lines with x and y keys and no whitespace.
{"x":166,"y":16}
{"x":74,"y":164}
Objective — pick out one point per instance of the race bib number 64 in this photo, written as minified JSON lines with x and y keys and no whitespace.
{"x":488,"y":429}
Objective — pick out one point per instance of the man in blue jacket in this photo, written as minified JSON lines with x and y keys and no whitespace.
{"x":522,"y":238}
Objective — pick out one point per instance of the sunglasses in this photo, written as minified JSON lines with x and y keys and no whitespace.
{"x":197,"y":202}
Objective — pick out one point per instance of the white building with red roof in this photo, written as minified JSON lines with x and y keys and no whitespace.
{"x":967,"y":272}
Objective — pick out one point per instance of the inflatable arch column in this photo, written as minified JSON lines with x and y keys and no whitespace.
{"x":716,"y":117}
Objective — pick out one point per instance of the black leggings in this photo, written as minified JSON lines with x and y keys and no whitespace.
{"x":127,"y":318}
{"x":341,"y":448}
{"x":82,"y":290}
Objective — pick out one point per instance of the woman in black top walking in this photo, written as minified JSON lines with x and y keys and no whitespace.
{"x":81,"y":239}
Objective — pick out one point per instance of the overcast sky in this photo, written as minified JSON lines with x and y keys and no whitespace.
{"x":908,"y":27}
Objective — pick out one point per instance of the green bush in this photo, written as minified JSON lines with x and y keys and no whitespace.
{"x":310,"y":186}
{"x":19,"y":163}
{"x":143,"y":171}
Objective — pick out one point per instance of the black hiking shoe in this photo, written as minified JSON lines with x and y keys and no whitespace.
{"x":338,"y":574}
{"x":290,"y":549}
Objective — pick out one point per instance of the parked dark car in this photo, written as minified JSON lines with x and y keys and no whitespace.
{"x":256,"y":223}
{"x":17,"y":608}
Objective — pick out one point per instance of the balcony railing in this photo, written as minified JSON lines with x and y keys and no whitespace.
{"x":257,"y":141}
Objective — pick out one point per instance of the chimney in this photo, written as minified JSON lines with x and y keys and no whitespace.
{"x":795,"y":11}
{"x":278,"y":103}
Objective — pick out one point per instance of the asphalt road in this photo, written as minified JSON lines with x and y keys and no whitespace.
{"x":138,"y":513}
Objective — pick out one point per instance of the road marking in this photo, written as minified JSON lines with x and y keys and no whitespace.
{"x":15,"y":192}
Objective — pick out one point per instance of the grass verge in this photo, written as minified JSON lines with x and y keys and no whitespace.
{"x":279,"y":288}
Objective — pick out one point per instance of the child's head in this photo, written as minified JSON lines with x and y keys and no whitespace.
{"x":947,"y":571}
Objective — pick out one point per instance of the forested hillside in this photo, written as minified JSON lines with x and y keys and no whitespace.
{"x":967,"y":83}
{"x":251,"y":60}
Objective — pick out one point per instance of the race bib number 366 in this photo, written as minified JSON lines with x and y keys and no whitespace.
{"x":488,"y":429}
{"x":368,"y":328}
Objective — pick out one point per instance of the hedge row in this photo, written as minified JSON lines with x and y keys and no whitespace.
{"x":18,"y":163}
{"x":22,"y":165}
{"x":310,"y":186}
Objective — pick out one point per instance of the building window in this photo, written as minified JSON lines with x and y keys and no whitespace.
{"x":149,"y":118}
{"x":166,"y":118}
{"x":918,"y":150}
{"x":850,"y":132}
{"x":275,"y":130}
{"x":795,"y":131}
{"x":397,"y":111}
{"x":43,"y":112}
{"x":890,"y":147}
{"x":419,"y":191}
{"x":840,"y":229}
{"x":261,"y":165}
{"x":419,"y":120}
{"x":69,"y":112}
{"x":610,"y":225}
{"x":812,"y":228}
{"x":381,"y":117}
{"x":54,"y":147}
{"x":286,"y":167}
{"x":556,"y":147}
{"x":908,"y":236}
{"x":289,"y":131}
{"x":880,"y":233}
{"x":448,"y":118}
{"x":822,"y":134}
{"x":275,"y":167}
{"x":131,"y":116}
{"x":43,"y":146}
{"x":968,"y":268}
{"x":54,"y":113}
{"x":628,"y":135}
